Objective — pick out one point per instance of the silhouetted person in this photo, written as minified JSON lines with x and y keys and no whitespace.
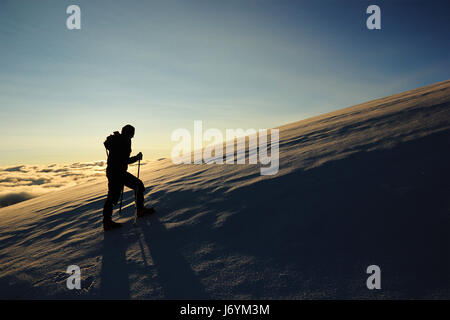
{"x":119,"y":146}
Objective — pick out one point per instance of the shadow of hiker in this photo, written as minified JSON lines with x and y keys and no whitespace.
{"x":176,"y":276}
{"x":114,"y":273}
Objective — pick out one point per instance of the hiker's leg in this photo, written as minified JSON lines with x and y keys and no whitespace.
{"x":134,"y":183}
{"x":108,"y":208}
{"x":114,"y":190}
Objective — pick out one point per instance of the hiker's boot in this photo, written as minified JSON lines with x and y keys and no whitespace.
{"x":109,"y":224}
{"x":144,"y":211}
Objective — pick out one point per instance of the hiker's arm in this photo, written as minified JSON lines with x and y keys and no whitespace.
{"x":135,"y":158}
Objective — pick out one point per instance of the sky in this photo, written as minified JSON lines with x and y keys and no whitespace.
{"x":160,"y":65}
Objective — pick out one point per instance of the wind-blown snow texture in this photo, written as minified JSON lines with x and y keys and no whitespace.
{"x":364,"y":185}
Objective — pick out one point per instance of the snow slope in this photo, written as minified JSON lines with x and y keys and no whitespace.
{"x":364,"y":185}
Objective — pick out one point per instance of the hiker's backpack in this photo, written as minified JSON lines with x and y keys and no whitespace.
{"x":111,"y":141}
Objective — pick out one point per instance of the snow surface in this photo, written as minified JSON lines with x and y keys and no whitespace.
{"x":364,"y":185}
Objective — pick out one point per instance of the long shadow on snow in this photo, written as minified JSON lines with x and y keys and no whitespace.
{"x":114,"y":273}
{"x":176,"y":276}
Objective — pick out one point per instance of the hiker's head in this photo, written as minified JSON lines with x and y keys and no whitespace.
{"x":128,"y":131}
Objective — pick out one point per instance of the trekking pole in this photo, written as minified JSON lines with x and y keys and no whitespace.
{"x":135,"y":194}
{"x":121,"y":199}
{"x":139,"y":166}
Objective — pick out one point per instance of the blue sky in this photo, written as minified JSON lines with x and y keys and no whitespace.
{"x":160,"y":65}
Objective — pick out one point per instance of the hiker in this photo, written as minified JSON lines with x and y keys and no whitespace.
{"x":119,"y":147}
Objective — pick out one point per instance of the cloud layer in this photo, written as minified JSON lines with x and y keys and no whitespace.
{"x":19,"y":183}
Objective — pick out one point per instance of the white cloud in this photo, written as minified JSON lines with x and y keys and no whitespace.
{"x":19,"y":183}
{"x":23,"y":182}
